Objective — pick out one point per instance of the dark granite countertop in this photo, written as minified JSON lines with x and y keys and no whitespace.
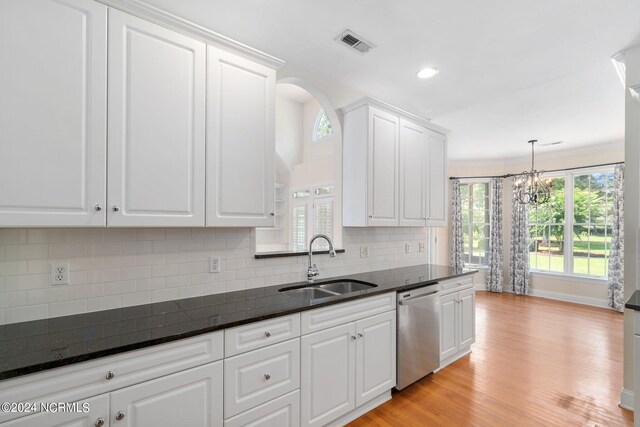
{"x":634,"y":302}
{"x":38,"y":345}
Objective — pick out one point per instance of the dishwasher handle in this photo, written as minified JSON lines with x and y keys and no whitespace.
{"x":410,"y":301}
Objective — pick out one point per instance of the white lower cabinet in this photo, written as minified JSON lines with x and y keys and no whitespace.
{"x":281,"y":412}
{"x":328,"y":374}
{"x":256,"y":377}
{"x":346,"y":366}
{"x":188,"y":398}
{"x":97,"y":415}
{"x":457,"y":324}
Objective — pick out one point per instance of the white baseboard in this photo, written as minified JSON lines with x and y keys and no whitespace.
{"x":596,"y":302}
{"x":626,"y":399}
{"x":358,"y":412}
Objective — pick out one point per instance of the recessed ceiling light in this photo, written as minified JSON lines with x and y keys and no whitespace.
{"x":425,"y":73}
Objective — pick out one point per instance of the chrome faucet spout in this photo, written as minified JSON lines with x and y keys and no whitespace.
{"x":312,"y":270}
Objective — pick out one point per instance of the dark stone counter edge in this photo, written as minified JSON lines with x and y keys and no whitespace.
{"x":633,"y":303}
{"x":289,"y":254}
{"x":323,"y":302}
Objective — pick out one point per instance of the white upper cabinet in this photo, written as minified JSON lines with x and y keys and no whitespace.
{"x":382,"y":182}
{"x":413,"y":174}
{"x":437,"y":179}
{"x":394,"y":167}
{"x":53,"y":87}
{"x":156,"y":125}
{"x":240,"y":141}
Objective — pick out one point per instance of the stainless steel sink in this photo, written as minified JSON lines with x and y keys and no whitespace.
{"x":308,"y":292}
{"x":326,"y":289}
{"x":346,"y":286}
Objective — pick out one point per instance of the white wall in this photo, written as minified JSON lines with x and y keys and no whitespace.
{"x":318,"y":159}
{"x":631,"y":205}
{"x":566,"y":288}
{"x":289,"y":130}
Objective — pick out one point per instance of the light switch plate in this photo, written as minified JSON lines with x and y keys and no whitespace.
{"x":421,"y":247}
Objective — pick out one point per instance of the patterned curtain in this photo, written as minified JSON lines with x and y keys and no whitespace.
{"x":519,"y":250}
{"x":457,"y":243}
{"x":616,"y":256}
{"x":495,"y":256}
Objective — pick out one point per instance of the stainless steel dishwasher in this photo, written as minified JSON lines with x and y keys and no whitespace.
{"x":418,"y":334}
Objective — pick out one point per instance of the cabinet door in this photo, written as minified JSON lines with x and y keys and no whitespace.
{"x":328,"y":374}
{"x":156,"y":125}
{"x":467,"y":317}
{"x":281,"y":412}
{"x":437,"y":180}
{"x":448,"y":325}
{"x":240,"y":141}
{"x":98,"y":408}
{"x":53,"y":86}
{"x":375,"y":356}
{"x":188,"y":398}
{"x":382,"y":182}
{"x":413,"y":174}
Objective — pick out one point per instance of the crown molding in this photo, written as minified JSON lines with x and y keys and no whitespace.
{"x":369,"y":101}
{"x":635,"y":89}
{"x":158,"y":16}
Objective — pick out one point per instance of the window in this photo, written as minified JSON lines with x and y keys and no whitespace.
{"x":571,"y":234}
{"x":546,"y":230}
{"x":322,"y":128}
{"x":475,"y":222}
{"x":317,"y":202}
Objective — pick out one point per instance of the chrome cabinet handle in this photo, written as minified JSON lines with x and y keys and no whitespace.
{"x":98,"y":207}
{"x":267,"y":377}
{"x":272,"y":213}
{"x":110,"y":375}
{"x":360,"y":335}
{"x":116,"y":208}
{"x":119,"y":415}
{"x":353,"y":337}
{"x":99,"y":422}
{"x":267,"y":334}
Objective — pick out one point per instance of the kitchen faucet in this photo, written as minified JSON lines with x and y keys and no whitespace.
{"x":312,"y":271}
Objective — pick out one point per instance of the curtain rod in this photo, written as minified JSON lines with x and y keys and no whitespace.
{"x":508,"y":175}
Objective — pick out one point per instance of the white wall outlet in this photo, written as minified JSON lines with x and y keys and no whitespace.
{"x":407,"y":247}
{"x":60,"y":273}
{"x":364,"y":251}
{"x":214,"y":264}
{"x":421,"y":247}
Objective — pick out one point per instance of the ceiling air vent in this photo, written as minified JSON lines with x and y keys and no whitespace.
{"x":354,"y":41}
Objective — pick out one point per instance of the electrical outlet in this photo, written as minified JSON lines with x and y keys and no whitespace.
{"x":214,"y":264}
{"x":364,"y":251}
{"x":60,"y":273}
{"x":407,"y":247}
{"x":421,"y":247}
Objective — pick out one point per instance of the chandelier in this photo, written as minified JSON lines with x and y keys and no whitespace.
{"x":530,"y":188}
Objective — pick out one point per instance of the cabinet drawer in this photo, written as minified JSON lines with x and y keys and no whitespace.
{"x":457,"y":283}
{"x":261,"y":334}
{"x":323,"y":318}
{"x":75,"y":382}
{"x":281,"y":412}
{"x":253,"y":378}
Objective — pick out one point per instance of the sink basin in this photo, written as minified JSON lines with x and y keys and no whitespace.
{"x":326,"y":289}
{"x":346,"y":286}
{"x":308,"y":292}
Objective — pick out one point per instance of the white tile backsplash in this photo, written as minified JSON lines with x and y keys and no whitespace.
{"x":112,"y":268}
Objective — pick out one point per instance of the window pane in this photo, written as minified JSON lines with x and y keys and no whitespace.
{"x":597,"y":197}
{"x":581,"y":199}
{"x":464,"y":196}
{"x":479,"y":196}
{"x":322,"y":127}
{"x":556,"y":248}
{"x":556,"y":202}
{"x":580,"y":250}
{"x":323,"y":191}
{"x":323,"y":222}
{"x":301,"y":194}
{"x":299,"y":227}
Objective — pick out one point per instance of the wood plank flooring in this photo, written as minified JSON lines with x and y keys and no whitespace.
{"x":536,"y":362}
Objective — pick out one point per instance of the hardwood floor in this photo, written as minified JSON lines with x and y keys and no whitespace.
{"x":536,"y":362}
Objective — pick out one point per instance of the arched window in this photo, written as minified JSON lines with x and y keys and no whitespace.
{"x":322,"y":128}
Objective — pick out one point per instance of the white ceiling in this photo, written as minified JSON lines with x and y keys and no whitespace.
{"x":509,"y":70}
